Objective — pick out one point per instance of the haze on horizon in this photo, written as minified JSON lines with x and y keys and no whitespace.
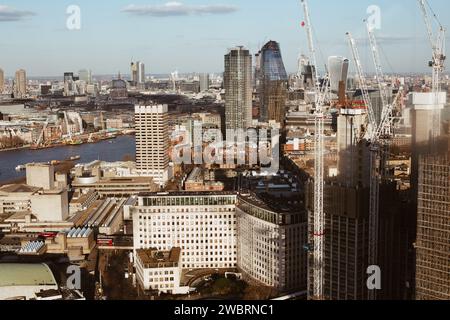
{"x":193,"y":35}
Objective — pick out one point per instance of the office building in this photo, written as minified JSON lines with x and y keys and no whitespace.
{"x":272,"y":83}
{"x":433,"y":229}
{"x":85,"y":75}
{"x":338,"y":67}
{"x":152,"y":142}
{"x":204,"y":82}
{"x":203,"y":225}
{"x":271,"y":236}
{"x":238,"y":89}
{"x":137,"y":73}
{"x":20,"y":84}
{"x":160,"y":271}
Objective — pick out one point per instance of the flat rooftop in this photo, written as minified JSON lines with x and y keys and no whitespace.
{"x":18,"y":188}
{"x":187,"y":194}
{"x":153,"y":258}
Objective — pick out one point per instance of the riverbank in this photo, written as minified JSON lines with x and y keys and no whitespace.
{"x":108,"y":150}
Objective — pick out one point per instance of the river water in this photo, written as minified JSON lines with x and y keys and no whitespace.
{"x":110,"y":150}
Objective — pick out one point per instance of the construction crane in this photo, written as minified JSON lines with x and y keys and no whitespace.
{"x":377,"y":135}
{"x":318,"y":232}
{"x":437,"y":62}
{"x":41,"y":136}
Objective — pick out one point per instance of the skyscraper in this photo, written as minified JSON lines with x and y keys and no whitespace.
{"x":152,"y":142}
{"x":338,"y":67}
{"x":20,"y":84}
{"x":85,"y":75}
{"x":2,"y":80}
{"x":141,"y":73}
{"x":137,"y":73}
{"x":433,"y":229}
{"x":238,"y":89}
{"x":204,"y":82}
{"x":272,"y":82}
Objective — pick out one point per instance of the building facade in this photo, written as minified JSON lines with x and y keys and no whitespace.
{"x":270,"y":242}
{"x":20,"y":84}
{"x":433,"y":230}
{"x":160,"y":271}
{"x":272,"y":83}
{"x":238,"y":89}
{"x":152,"y":142}
{"x":203,"y":225}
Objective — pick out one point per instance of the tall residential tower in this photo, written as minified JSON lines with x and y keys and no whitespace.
{"x":238,"y":88}
{"x":152,"y":142}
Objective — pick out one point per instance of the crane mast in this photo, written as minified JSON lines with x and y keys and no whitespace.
{"x":378,"y":138}
{"x":318,"y":232}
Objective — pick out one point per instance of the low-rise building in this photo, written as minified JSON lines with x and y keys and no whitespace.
{"x":160,"y":271}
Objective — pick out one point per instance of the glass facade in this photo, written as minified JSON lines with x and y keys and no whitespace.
{"x":273,"y":83}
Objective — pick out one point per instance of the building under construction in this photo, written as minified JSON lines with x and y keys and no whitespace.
{"x":433,"y":230}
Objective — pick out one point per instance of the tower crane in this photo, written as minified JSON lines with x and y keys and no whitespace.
{"x":437,"y":62}
{"x":377,"y":136}
{"x":318,"y":229}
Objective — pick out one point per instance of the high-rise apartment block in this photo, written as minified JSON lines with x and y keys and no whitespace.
{"x":204,"y":82}
{"x":152,"y":142}
{"x":238,"y":89}
{"x":20,"y":84}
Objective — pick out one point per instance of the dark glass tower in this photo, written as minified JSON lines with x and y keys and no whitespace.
{"x":272,"y":83}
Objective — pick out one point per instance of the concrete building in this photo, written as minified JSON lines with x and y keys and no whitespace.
{"x":50,"y":205}
{"x":271,"y":236}
{"x":353,"y":155}
{"x":152,"y":142}
{"x":203,"y":225}
{"x":20,"y":84}
{"x":24,"y":281}
{"x":16,"y":198}
{"x":238,"y":89}
{"x":160,"y":271}
{"x":433,"y":230}
{"x":41,"y":175}
{"x":426,"y":110}
{"x":204,"y":82}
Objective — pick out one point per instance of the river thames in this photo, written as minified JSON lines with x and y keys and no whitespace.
{"x":109,"y":150}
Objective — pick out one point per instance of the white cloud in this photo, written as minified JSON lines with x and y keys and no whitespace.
{"x":8,"y":14}
{"x":170,"y":9}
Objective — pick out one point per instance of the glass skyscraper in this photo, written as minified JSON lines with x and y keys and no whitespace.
{"x":272,"y":83}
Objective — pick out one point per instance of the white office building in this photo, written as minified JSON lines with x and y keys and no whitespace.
{"x":203,"y":225}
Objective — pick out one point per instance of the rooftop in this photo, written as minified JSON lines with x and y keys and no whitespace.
{"x":153,"y":258}
{"x":15,"y":274}
{"x":18,"y":188}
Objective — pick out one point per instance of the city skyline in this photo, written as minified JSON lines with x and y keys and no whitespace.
{"x":41,"y":44}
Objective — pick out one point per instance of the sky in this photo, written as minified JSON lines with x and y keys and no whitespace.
{"x":194,"y":35}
